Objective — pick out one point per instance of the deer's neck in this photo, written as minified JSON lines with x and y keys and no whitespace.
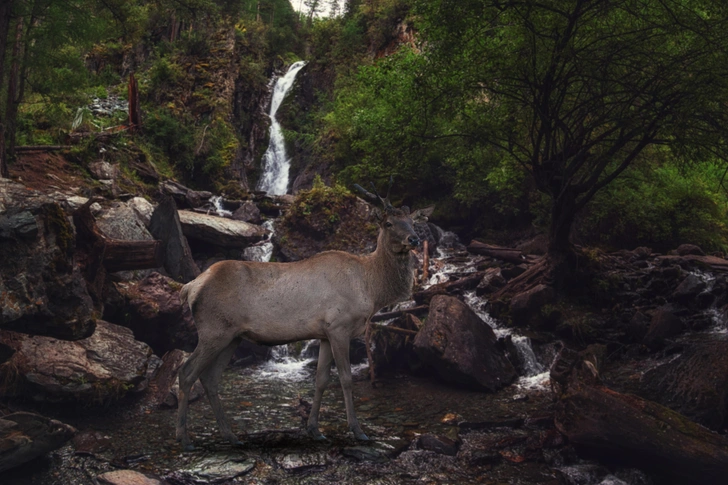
{"x":390,"y":275}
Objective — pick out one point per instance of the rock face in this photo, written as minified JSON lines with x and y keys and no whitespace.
{"x":219,"y":231}
{"x":152,"y":309}
{"x":634,"y":431}
{"x":462,"y":348}
{"x":42,"y":291}
{"x":24,"y":436}
{"x":694,"y":384}
{"x":100,"y":368}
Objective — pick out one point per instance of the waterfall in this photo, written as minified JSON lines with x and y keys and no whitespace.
{"x":275,"y":161}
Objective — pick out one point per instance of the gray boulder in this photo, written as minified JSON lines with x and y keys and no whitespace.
{"x":220,"y":231}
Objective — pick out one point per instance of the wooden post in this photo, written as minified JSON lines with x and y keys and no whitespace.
{"x":135,"y":114}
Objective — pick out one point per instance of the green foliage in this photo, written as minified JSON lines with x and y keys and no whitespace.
{"x":662,"y":207}
{"x":173,"y":136}
{"x":322,"y":202}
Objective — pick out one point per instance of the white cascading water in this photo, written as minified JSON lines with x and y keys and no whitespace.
{"x":276,"y":163}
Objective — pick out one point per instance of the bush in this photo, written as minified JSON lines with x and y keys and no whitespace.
{"x":174,"y":137}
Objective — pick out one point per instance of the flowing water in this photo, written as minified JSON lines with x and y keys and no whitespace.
{"x":276,"y":163}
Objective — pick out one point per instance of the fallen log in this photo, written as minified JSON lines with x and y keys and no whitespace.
{"x":41,"y":148}
{"x":466,"y":283}
{"x":131,"y":255}
{"x":621,"y":427}
{"x":509,"y":255}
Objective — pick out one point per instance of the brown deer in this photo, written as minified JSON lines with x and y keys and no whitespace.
{"x":330,"y":296}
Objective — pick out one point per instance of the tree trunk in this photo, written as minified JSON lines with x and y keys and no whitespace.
{"x":5,"y":10}
{"x":11,"y":109}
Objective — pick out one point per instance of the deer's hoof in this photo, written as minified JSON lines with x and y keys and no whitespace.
{"x":361,"y":436}
{"x":316,"y":435}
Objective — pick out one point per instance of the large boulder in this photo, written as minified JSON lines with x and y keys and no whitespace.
{"x":220,"y":231}
{"x":100,"y":368}
{"x":42,"y":290}
{"x":152,"y":309}
{"x":24,"y":436}
{"x":462,"y":348}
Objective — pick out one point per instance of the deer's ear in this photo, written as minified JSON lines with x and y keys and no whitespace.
{"x":377,"y":214}
{"x":421,"y":215}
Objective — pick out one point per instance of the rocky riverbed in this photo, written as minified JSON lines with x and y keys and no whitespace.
{"x":621,"y":380}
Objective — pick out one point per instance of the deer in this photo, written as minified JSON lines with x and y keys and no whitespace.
{"x":330,"y":296}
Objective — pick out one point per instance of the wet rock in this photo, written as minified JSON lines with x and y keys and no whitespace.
{"x":526,"y":307}
{"x":438,"y":444}
{"x":214,"y":468}
{"x":461,"y":347}
{"x":663,"y":325}
{"x":300,"y":462}
{"x":695,"y":383}
{"x":100,"y":368}
{"x":219,"y":231}
{"x":686,"y":249}
{"x":606,"y":424}
{"x":247,"y":212}
{"x":164,"y":385}
{"x":142,"y":208}
{"x":24,"y":436}
{"x":153,"y":310}
{"x":91,"y":442}
{"x":127,"y":477}
{"x":42,"y":290}
{"x":688,"y":289}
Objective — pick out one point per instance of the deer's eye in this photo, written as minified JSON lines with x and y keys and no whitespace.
{"x":387,"y":224}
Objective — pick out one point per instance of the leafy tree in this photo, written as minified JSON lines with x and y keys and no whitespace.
{"x":575,"y":91}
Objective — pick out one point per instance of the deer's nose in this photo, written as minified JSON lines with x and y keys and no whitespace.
{"x":413,"y":240}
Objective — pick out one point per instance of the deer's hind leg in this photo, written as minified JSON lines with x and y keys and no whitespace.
{"x":210,"y":378}
{"x":206,"y":353}
{"x":323,"y":374}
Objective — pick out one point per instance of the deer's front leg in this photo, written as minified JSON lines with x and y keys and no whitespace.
{"x":323,"y":374}
{"x":340,"y":349}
